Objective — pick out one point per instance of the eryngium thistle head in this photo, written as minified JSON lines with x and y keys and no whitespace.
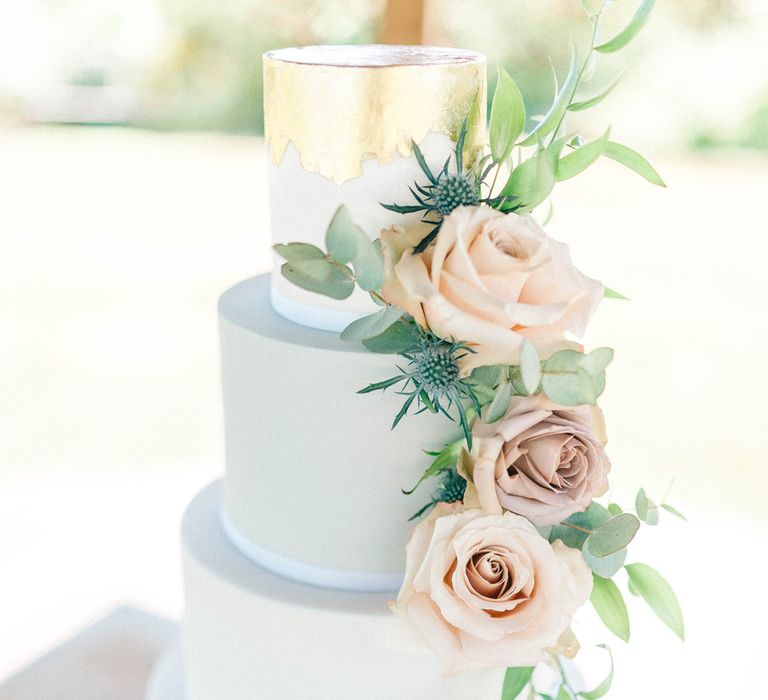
{"x":455,"y":191}
{"x":436,"y":368}
{"x":452,"y":488}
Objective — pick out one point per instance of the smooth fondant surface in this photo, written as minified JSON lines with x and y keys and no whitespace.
{"x":250,"y":634}
{"x":313,"y":471}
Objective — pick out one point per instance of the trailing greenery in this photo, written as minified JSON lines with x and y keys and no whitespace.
{"x":516,"y":680}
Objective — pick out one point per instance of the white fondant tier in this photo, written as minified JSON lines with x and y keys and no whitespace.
{"x":250,"y":634}
{"x":302,"y":204}
{"x":313,"y":472}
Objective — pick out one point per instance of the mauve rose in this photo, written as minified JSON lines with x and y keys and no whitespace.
{"x":541,"y":460}
{"x":490,"y":280}
{"x":489,"y":591}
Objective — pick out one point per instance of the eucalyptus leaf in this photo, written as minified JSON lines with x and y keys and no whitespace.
{"x":646,"y":509}
{"x":630,"y":31}
{"x":498,"y":407}
{"x":653,"y":587}
{"x":579,"y":160}
{"x":612,"y":294}
{"x":605,"y":567}
{"x":507,"y":116}
{"x":597,"y":360}
{"x":609,"y":604}
{"x":565,"y":381}
{"x":515,"y":681}
{"x":347,"y":243}
{"x":334,"y":284}
{"x":674,"y":511}
{"x":342,"y":236}
{"x":298,"y":252}
{"x":614,"y":508}
{"x":368,"y":265}
{"x":489,"y":375}
{"x":596,"y":100}
{"x":587,"y":520}
{"x":554,"y":115}
{"x":613,"y":535}
{"x":373,"y":325}
{"x":400,"y":337}
{"x":605,"y":686}
{"x":530,"y":367}
{"x":634,"y":161}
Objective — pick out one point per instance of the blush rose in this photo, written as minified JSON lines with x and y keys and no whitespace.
{"x":490,"y":280}
{"x":488,"y":590}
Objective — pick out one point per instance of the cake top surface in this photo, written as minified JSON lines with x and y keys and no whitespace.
{"x":374,"y":56}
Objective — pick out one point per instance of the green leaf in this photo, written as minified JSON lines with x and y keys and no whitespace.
{"x":609,"y":604}
{"x":597,"y":99}
{"x":489,"y":375}
{"x":400,"y":337}
{"x":564,"y":694}
{"x":614,"y":508}
{"x":596,"y":361}
{"x":347,"y":243}
{"x":319,"y":276}
{"x":507,"y":116}
{"x":554,"y":115}
{"x":369,"y":266}
{"x":565,"y":381}
{"x":515,"y":680}
{"x":646,"y":509}
{"x":444,"y":460}
{"x":605,"y":567}
{"x":498,"y":407}
{"x":590,"y":519}
{"x":630,"y":31}
{"x":652,"y":586}
{"x":588,"y":8}
{"x":605,"y":686}
{"x":579,"y":160}
{"x":572,"y":378}
{"x":342,"y":236}
{"x":611,"y":294}
{"x":674,"y":511}
{"x":531,"y":181}
{"x":634,"y":161}
{"x":631,"y":588}
{"x":530,"y":367}
{"x":613,"y":535}
{"x":373,"y":325}
{"x":298,"y":252}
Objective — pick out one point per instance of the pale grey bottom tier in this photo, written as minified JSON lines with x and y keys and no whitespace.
{"x":251,"y":634}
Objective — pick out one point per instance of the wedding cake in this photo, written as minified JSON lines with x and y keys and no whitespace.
{"x":290,"y":561}
{"x":411,"y":280}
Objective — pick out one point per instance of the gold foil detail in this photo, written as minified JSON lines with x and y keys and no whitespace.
{"x":340,"y":107}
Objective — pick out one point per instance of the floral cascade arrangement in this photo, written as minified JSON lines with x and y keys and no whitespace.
{"x":485,"y":310}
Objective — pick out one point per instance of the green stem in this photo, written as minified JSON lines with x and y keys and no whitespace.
{"x":595,"y":24}
{"x":576,"y":527}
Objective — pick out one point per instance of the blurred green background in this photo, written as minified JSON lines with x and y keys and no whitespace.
{"x":195,"y":65}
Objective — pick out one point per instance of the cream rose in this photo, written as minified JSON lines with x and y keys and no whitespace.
{"x":540,"y":460}
{"x":488,"y":591}
{"x":490,"y":280}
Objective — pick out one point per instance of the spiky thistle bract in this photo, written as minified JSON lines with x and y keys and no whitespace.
{"x":432,"y":381}
{"x":445,"y":191}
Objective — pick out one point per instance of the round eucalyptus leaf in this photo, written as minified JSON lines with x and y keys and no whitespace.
{"x":373,"y":325}
{"x":613,"y":535}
